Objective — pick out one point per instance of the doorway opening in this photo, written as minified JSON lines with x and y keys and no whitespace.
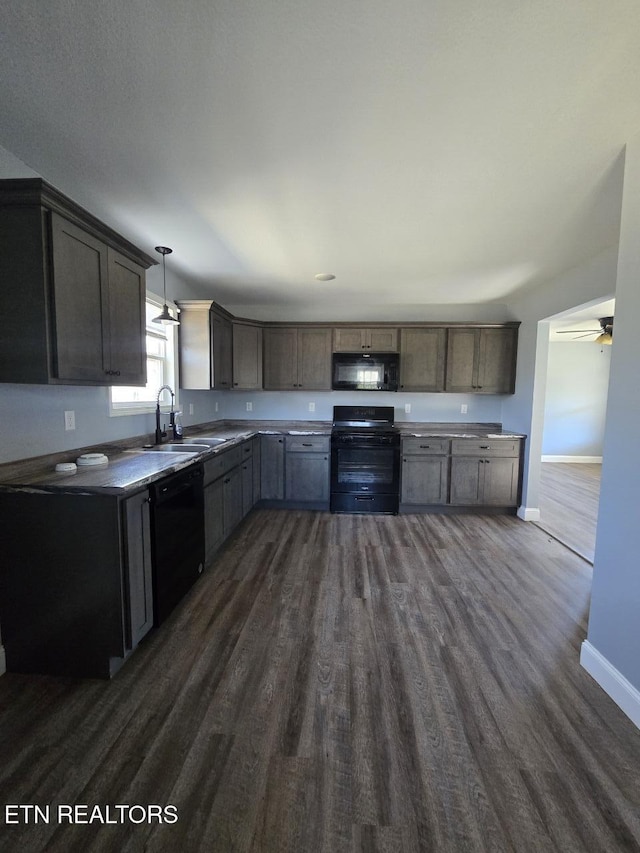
{"x":573,"y":424}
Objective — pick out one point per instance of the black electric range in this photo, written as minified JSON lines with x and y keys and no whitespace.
{"x":365,"y":460}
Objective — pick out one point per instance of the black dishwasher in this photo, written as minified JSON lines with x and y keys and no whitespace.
{"x":177,"y":512}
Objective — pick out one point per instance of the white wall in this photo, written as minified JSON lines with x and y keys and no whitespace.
{"x":612,"y":652}
{"x":576,"y":399}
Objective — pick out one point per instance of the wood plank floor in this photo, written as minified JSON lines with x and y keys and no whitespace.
{"x":344,"y":683}
{"x":569,"y":498}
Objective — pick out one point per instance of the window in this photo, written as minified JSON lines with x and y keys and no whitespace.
{"x":161,"y":368}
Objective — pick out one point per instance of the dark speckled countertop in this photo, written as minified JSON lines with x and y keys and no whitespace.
{"x":131,"y":469}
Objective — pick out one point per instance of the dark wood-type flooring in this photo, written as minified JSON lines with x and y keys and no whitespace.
{"x":569,"y":498}
{"x":344,"y":683}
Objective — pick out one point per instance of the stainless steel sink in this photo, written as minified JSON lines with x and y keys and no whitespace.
{"x":209,"y":441}
{"x":178,"y":447}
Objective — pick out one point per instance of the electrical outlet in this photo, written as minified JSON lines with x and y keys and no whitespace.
{"x":463,"y":409}
{"x":69,"y":420}
{"x":407,"y":408}
{"x":190,"y":408}
{"x":312,"y":407}
{"x":249,"y":407}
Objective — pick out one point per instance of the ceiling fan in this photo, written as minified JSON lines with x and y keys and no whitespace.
{"x":605,"y":332}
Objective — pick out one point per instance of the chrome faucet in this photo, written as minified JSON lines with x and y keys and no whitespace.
{"x":174,"y":417}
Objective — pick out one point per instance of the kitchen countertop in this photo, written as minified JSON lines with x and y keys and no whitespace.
{"x":131,"y":469}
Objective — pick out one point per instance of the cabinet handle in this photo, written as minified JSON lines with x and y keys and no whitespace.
{"x":485,"y":447}
{"x":228,"y":480}
{"x":425,"y":447}
{"x":487,"y":461}
{"x":307,"y":444}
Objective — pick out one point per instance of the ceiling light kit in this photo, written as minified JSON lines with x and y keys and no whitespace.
{"x":165,"y":317}
{"x":325,"y":276}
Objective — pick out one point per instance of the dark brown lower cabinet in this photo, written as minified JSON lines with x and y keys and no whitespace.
{"x":229,"y":492}
{"x":307,"y":469}
{"x":424,"y":479}
{"x":485,"y":472}
{"x":75,"y":599}
{"x":272,"y":467}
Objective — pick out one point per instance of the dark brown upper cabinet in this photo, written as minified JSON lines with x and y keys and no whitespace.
{"x":72,"y":295}
{"x":481,"y":360}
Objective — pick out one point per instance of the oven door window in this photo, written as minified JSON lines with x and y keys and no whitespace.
{"x":364,"y":469}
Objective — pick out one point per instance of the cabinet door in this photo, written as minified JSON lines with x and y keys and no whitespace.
{"x":256,"y":457}
{"x":424,"y":479}
{"x":348,"y":340}
{"x":127,"y":351}
{"x":462,"y":348}
{"x":213,"y":518}
{"x":466,"y":480}
{"x":247,"y":485}
{"x":80,"y":303}
{"x":272,"y":467}
{"x":232,"y":499}
{"x":247,"y":356}
{"x":221,"y":348}
{"x":422,"y":355}
{"x":314,"y":359}
{"x":382,"y":340}
{"x":138,"y":567}
{"x":307,"y":477}
{"x":496,"y":361}
{"x":280,"y":359}
{"x":500,"y":482}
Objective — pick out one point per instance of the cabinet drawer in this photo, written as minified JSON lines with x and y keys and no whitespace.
{"x":425,"y":446}
{"x":221,"y":463}
{"x":485,"y":447}
{"x":307,"y":444}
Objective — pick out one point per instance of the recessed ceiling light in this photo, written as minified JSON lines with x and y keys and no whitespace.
{"x":325,"y":276}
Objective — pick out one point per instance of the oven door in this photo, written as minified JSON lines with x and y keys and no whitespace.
{"x":366,"y":469}
{"x":364,"y":477}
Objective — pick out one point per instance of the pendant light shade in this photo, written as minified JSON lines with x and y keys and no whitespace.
{"x":165,"y":316}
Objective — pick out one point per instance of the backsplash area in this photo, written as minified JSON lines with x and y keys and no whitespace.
{"x":33,"y":415}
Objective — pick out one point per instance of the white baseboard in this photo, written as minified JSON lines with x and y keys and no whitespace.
{"x":3,"y":661}
{"x":529,"y":513}
{"x":623,"y":693}
{"x":579,"y":459}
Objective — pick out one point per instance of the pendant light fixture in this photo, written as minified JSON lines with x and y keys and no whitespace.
{"x":165,"y":317}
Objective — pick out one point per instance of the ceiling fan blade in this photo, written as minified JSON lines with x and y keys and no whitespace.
{"x":573,"y":331}
{"x":577,"y":337}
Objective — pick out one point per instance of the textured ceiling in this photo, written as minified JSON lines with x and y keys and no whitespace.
{"x":424,"y":152}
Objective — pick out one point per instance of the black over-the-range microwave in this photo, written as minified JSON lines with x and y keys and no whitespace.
{"x":371,"y":371}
